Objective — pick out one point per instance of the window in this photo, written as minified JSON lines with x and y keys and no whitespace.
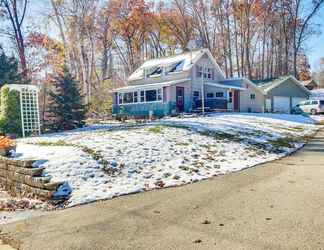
{"x":196,"y":93}
{"x":159,"y":94}
{"x":128,"y":97}
{"x":120,"y":98}
{"x":199,"y":71}
{"x":135,"y":97}
{"x":321,"y":102}
{"x":176,"y":67}
{"x":314,"y":102}
{"x":208,"y":72}
{"x":252,"y":96}
{"x":210,"y":95}
{"x":307,"y":103}
{"x":142,"y":96}
{"x":230,"y":97}
{"x":219,"y":94}
{"x":154,"y":72}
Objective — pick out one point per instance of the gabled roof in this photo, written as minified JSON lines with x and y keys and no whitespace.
{"x":189,"y":58}
{"x":268,"y":85}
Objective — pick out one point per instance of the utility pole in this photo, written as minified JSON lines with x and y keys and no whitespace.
{"x":202,"y":91}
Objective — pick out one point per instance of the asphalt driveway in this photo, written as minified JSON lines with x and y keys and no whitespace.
{"x":278,"y":205}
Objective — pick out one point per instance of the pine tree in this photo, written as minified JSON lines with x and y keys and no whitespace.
{"x":8,"y":70}
{"x":65,"y":106}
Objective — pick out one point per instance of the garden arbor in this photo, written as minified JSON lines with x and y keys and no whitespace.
{"x":29,"y":108}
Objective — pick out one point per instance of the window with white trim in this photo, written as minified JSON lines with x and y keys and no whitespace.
{"x":151,"y":95}
{"x":127,"y":97}
{"x":219,"y":94}
{"x":159,"y":94}
{"x":154,"y":72}
{"x":210,"y":95}
{"x":252,"y":96}
{"x":142,"y":96}
{"x":196,"y":94}
{"x":208,"y":74}
{"x":230,"y":97}
{"x":176,"y":67}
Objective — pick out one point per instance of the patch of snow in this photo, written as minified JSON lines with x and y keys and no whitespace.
{"x":143,"y":158}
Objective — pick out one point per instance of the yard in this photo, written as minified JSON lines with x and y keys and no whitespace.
{"x":106,"y":161}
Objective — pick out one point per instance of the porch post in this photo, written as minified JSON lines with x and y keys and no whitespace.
{"x":202,"y":92}
{"x":228,"y":98}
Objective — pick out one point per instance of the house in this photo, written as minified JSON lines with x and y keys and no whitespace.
{"x":181,"y":83}
{"x":282,"y":94}
{"x":310,"y":84}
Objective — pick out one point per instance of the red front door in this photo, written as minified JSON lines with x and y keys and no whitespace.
{"x":236,"y":100}
{"x":180,"y":98}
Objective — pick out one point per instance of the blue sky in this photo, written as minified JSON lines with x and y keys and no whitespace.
{"x":314,"y":50}
{"x":316,"y":43}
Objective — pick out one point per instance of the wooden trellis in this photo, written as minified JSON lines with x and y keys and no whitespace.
{"x":29,"y":108}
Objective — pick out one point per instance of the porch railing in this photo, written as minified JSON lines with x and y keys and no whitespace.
{"x":211,"y":104}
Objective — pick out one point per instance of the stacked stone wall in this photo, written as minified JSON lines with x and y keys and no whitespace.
{"x":19,"y":178}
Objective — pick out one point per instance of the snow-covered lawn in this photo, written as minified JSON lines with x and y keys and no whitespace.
{"x":105,"y":161}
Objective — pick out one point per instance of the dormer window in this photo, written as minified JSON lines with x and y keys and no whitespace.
{"x":156,"y":71}
{"x":175,"y":67}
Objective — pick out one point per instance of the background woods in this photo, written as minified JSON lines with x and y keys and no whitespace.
{"x":103,"y":41}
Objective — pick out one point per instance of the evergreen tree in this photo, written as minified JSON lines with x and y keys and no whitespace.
{"x":66,"y":109}
{"x":8,"y":70}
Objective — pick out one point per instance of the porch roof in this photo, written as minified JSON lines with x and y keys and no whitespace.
{"x":225,"y":86}
{"x":149,"y":86}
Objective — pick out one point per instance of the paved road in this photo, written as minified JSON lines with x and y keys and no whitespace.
{"x":278,"y":205}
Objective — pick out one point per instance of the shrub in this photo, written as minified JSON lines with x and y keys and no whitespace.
{"x":10,"y":116}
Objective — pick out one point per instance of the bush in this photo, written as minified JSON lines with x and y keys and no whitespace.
{"x":10,"y":116}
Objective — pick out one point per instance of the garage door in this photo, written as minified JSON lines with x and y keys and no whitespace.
{"x":281,"y":104}
{"x":297,"y":100}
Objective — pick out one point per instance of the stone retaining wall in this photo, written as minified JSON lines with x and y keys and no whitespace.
{"x":19,"y":178}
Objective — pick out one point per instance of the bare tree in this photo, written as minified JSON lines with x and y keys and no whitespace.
{"x":15,"y":12}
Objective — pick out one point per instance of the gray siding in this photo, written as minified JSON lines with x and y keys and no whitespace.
{"x":249,"y":105}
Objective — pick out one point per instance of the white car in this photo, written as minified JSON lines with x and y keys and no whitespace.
{"x":312,"y":106}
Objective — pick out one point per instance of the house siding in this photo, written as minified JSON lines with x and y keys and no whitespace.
{"x":249,"y":105}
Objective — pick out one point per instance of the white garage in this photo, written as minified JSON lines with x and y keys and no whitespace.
{"x":281,"y":104}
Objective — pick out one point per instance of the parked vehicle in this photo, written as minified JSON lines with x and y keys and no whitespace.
{"x":312,"y":106}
